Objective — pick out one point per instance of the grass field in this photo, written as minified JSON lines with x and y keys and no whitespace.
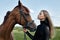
{"x":19,"y":35}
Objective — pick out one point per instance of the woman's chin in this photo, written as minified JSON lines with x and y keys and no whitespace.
{"x":42,"y":19}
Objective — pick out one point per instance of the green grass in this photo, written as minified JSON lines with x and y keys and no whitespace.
{"x":19,"y":35}
{"x":57,"y":36}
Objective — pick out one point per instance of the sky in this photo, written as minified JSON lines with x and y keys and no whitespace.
{"x":35,"y":6}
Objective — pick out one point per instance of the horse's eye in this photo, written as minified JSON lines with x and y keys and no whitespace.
{"x":26,"y":14}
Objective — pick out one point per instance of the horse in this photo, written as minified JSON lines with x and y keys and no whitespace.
{"x":19,"y":15}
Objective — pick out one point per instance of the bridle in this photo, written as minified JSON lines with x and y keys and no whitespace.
{"x":24,"y":15}
{"x":27,"y":24}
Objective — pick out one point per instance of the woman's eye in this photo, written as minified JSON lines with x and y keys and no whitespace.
{"x":40,"y":13}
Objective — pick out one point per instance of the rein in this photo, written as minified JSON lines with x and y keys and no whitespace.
{"x":27,"y":24}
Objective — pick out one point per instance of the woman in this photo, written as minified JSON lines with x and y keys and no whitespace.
{"x":45,"y":29}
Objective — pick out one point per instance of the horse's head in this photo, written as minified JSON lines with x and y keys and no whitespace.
{"x":22,"y":17}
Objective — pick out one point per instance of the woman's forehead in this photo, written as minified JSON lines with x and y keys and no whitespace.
{"x":41,"y":12}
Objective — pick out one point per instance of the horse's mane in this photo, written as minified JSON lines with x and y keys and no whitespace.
{"x":5,"y":18}
{"x":8,"y":13}
{"x":16,"y":7}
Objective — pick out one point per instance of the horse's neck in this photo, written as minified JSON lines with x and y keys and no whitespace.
{"x":7,"y":27}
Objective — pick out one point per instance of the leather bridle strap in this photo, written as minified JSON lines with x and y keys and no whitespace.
{"x":22,"y":14}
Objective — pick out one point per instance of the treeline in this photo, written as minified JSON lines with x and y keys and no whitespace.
{"x":20,"y":28}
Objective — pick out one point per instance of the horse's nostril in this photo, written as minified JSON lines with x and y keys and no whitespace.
{"x":33,"y":21}
{"x":35,"y":29}
{"x":32,"y":29}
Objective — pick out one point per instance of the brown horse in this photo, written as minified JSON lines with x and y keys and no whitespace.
{"x":19,"y":15}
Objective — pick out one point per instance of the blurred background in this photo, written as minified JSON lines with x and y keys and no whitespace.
{"x":35,"y":6}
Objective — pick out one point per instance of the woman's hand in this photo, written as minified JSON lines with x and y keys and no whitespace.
{"x":25,"y":30}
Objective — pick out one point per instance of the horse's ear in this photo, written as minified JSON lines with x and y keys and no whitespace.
{"x":19,"y":3}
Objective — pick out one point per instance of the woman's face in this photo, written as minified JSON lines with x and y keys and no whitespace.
{"x":41,"y":16}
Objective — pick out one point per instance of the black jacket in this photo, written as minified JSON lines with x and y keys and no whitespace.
{"x":42,"y":32}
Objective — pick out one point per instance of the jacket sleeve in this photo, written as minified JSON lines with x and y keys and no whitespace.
{"x":31,"y":36}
